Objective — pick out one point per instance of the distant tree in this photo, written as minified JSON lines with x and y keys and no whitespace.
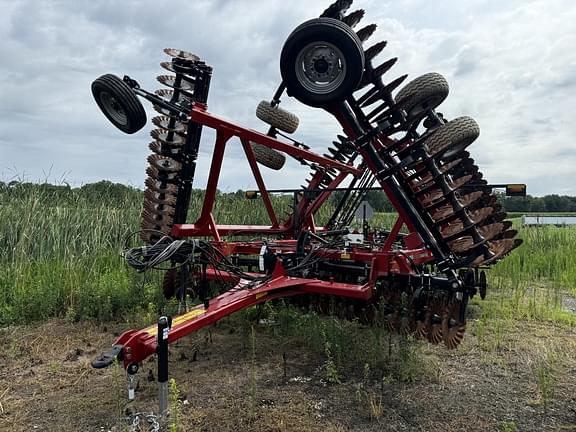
{"x":536,"y":205}
{"x":548,"y":203}
{"x":553,"y":203}
{"x":379,"y":201}
{"x":104,"y":189}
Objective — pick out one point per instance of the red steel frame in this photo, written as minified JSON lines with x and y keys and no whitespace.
{"x":139,"y":344}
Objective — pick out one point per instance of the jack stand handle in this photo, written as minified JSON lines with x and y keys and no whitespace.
{"x":164,"y":324}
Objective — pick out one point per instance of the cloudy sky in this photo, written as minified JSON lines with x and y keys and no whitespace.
{"x":511,"y":65}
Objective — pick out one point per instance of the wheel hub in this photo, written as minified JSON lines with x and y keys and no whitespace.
{"x":320,"y":67}
{"x":113,"y":107}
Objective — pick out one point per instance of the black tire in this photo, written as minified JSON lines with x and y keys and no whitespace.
{"x":268,"y":157}
{"x":422,"y":94}
{"x":119,"y":103}
{"x":277,"y":117}
{"x":307,"y":73}
{"x":452,"y":137}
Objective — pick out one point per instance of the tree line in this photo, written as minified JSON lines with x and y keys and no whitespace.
{"x":528,"y":204}
{"x":548,"y":203}
{"x":120,"y":194}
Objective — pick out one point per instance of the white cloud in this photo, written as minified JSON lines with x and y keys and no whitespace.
{"x":511,"y":65}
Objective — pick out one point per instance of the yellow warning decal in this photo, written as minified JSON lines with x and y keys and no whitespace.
{"x":261,"y":294}
{"x":153,"y":330}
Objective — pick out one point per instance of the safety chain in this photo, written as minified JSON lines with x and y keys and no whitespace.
{"x":150,"y":418}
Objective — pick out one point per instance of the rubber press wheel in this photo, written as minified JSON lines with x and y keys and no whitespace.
{"x":421,"y":95}
{"x":268,"y":157}
{"x":277,"y":117}
{"x":322,"y":62}
{"x":119,"y":103}
{"x":452,"y":137}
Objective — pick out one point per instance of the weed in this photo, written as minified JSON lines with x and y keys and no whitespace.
{"x":175,"y":406}
{"x":499,"y":331}
{"x":508,"y":426}
{"x":72,"y":314}
{"x":545,"y":381}
{"x":480,"y":331}
{"x":372,"y":399}
{"x":54,"y":367}
{"x":407,"y":361}
{"x":52,"y":265}
{"x":118,"y":377}
{"x":14,"y":349}
{"x":347,"y":347}
{"x":331,"y":370}
{"x":544,"y":256}
{"x":375,"y":405}
{"x":252,"y":384}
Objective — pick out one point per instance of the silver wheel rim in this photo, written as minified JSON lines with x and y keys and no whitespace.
{"x":320,"y":67}
{"x":113,"y":108}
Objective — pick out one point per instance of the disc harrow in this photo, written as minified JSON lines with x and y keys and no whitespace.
{"x":393,"y":139}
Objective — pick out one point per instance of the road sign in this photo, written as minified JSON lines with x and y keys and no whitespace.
{"x":364,"y":211}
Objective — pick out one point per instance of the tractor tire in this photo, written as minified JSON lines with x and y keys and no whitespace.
{"x":118,"y":103}
{"x":452,"y":137}
{"x":422,"y":94}
{"x":322,"y":62}
{"x":268,"y":157}
{"x":277,"y":117}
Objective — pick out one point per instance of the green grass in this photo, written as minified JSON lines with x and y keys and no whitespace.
{"x":60,"y":249}
{"x":60,"y":256}
{"x":546,"y":257}
{"x":349,"y":347}
{"x":383,"y":220}
{"x":63,"y":259}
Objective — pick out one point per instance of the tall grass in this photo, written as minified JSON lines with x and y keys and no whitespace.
{"x":537,"y":280}
{"x":382,"y":220}
{"x":63,"y":258}
{"x":547,"y":255}
{"x":60,"y":249}
{"x":60,"y":254}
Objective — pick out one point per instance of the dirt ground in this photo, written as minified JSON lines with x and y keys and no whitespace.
{"x":47,"y":384}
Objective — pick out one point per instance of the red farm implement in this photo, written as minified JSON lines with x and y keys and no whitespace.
{"x":417,"y":279}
